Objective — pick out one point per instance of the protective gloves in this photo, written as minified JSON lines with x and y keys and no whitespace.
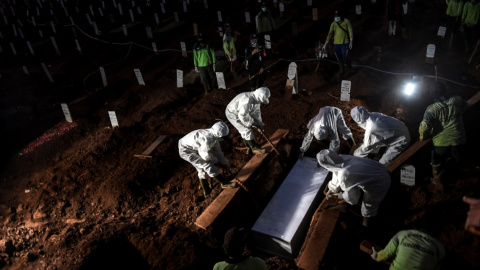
{"x":325,"y":46}
{"x":301,"y":155}
{"x":329,"y":194}
{"x":339,"y":195}
{"x":351,"y":44}
{"x":196,"y":69}
{"x":374,"y":254}
{"x":260,"y":127}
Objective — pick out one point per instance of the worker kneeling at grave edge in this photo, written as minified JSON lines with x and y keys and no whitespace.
{"x":325,"y":124}
{"x":244,"y":114}
{"x":202,"y":149}
{"x":351,"y":175}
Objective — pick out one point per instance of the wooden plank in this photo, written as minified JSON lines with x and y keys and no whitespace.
{"x":407,"y":154}
{"x":366,"y":247}
{"x":317,"y":240}
{"x":146,"y":153}
{"x":212,"y":212}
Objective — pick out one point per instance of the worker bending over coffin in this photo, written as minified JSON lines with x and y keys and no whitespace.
{"x":202,"y":149}
{"x":380,"y":131}
{"x":353,"y":175}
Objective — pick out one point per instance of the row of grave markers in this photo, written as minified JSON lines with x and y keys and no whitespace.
{"x":68,"y":116}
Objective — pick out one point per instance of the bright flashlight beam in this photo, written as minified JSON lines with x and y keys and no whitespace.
{"x":409,"y":88}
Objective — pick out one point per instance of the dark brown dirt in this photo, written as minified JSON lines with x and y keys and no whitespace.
{"x":82,"y":201}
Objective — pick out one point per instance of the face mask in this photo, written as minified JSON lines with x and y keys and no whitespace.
{"x":337,"y":19}
{"x":253,"y":42}
{"x":264,"y":9}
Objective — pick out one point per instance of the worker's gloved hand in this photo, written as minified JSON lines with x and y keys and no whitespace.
{"x":260,"y":126}
{"x":213,"y":67}
{"x":196,"y":69}
{"x":301,"y":155}
{"x":374,"y":254}
{"x":325,"y":46}
{"x":351,"y":44}
{"x":339,"y":195}
{"x":329,"y":194}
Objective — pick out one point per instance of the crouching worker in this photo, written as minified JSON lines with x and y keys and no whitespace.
{"x":324,"y":125}
{"x":244,"y":114}
{"x":353,"y":175}
{"x":234,"y":247}
{"x":202,"y":149}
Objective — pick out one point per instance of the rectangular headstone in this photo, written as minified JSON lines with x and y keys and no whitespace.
{"x":91,"y":10}
{"x":345,"y":90}
{"x":184,"y":6}
{"x":247,"y":17}
{"x":441,"y":31}
{"x":163,"y":8}
{"x":283,"y":224}
{"x":30,"y":48}
{"x":358,"y":9}
{"x":220,"y":31}
{"x":13,"y":48}
{"x":154,"y":47}
{"x":25,"y":70}
{"x":79,"y":49}
{"x":309,"y":3}
{"x":139,"y":76}
{"x":430,"y":53}
{"x":139,"y":10}
{"x":55,"y":45}
{"x":66,"y":112}
{"x":14,"y":28}
{"x":281,"y":6}
{"x":100,"y":11}
{"x":179,"y":78}
{"x":124,"y":27}
{"x":88,"y":19}
{"x":120,"y":10}
{"x":184,"y":49}
{"x":131,"y":15}
{"x":220,"y":80}
{"x":114,"y":3}
{"x":219,"y":14}
{"x":157,"y":21}
{"x":113,"y":118}
{"x":104,"y":77}
{"x":148,"y":29}
{"x":268,"y":42}
{"x":95,"y":28}
{"x":407,"y":175}
{"x":21,"y":33}
{"x":44,"y":67}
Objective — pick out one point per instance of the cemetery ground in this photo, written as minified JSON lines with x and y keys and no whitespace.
{"x":73,"y":196}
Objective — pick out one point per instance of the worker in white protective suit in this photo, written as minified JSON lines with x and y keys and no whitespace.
{"x":380,"y":131}
{"x":325,"y":125}
{"x":202,"y":149}
{"x":244,"y":113}
{"x":351,"y":175}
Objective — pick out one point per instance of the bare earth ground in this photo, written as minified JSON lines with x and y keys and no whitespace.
{"x":82,"y":201}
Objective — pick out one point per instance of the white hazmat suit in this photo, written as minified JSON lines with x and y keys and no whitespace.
{"x":244,"y":111}
{"x":202,"y":149}
{"x":380,"y":131}
{"x":353,"y":175}
{"x":325,"y":124}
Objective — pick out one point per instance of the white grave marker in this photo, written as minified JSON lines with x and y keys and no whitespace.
{"x":281,"y":6}
{"x":88,"y":19}
{"x":71,"y":21}
{"x":358,"y":9}
{"x":30,"y":47}
{"x":120,"y":10}
{"x":113,"y":118}
{"x":91,"y":10}
{"x":34,"y":23}
{"x":184,"y":49}
{"x":309,"y":3}
{"x":95,"y":28}
{"x":184,"y":6}
{"x":40,"y":33}
{"x":100,"y":11}
{"x":139,"y":10}
{"x":441,"y":31}
{"x":345,"y":90}
{"x":131,"y":15}
{"x":407,"y":175}
{"x":20,"y":23}
{"x":292,"y":76}
{"x":14,"y":28}
{"x":44,"y":67}
{"x":268,"y":42}
{"x":154,"y":47}
{"x":104,"y":77}
{"x":219,"y":13}
{"x":163,"y":8}
{"x":55,"y":45}
{"x":156,"y":18}
{"x":124,"y":27}
{"x":220,"y":80}
{"x":114,"y":3}
{"x":220,"y":31}
{"x":247,"y":17}
{"x":179,"y":78}
{"x":148,"y":29}
{"x":66,"y":112}
{"x":21,"y":33}
{"x":25,"y":70}
{"x":13,"y":48}
{"x":405,"y":8}
{"x":5,"y":19}
{"x":138,"y":74}
{"x":79,"y":49}
{"x":430,"y":51}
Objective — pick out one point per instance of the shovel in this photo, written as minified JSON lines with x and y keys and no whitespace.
{"x":263,"y":134}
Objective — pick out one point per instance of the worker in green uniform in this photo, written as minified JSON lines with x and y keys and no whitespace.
{"x":342,"y":33}
{"x":204,"y":61}
{"x":443,"y":123}
{"x":415,"y":248}
{"x":470,"y":16}
{"x":229,"y":40}
{"x":234,"y":247}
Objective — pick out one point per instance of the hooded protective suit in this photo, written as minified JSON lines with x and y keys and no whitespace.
{"x":325,"y":124}
{"x":202,"y":149}
{"x":353,"y":175}
{"x":380,"y":130}
{"x":244,"y":111}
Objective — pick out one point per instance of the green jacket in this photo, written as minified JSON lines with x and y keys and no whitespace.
{"x":454,"y":8}
{"x":265,"y":22}
{"x":251,"y":263}
{"x":339,"y":35}
{"x":203,"y":56}
{"x":471,"y":13}
{"x":412,"y":249}
{"x":229,"y":46}
{"x":444,"y":122}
